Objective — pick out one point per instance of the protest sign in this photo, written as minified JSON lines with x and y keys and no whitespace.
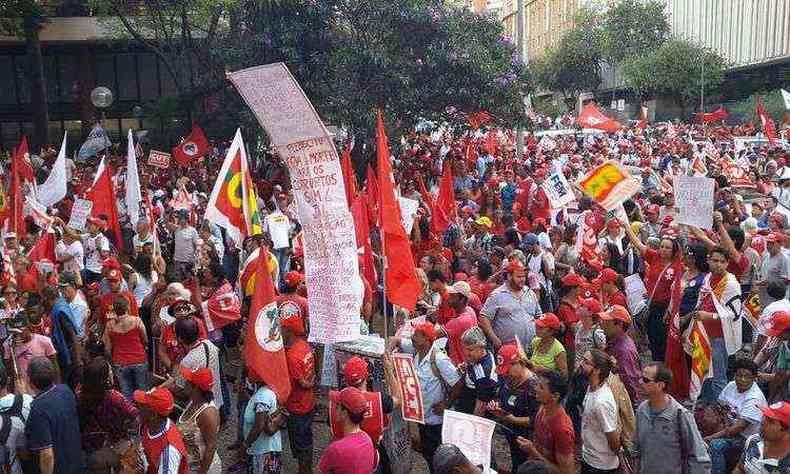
{"x":609,"y":184}
{"x":79,"y":213}
{"x":635,"y":293}
{"x":694,"y":201}
{"x":411,"y":394}
{"x":159,"y":159}
{"x":330,"y":250}
{"x":471,"y":434}
{"x":558,"y":190}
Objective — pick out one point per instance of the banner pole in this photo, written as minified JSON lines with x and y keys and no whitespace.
{"x":384,"y":284}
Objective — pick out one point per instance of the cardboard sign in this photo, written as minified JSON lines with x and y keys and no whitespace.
{"x":471,"y":434}
{"x":159,"y":159}
{"x":558,"y":190}
{"x":79,"y":214}
{"x":694,"y":201}
{"x":410,"y":391}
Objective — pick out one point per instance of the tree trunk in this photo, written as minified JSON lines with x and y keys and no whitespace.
{"x":38,"y":85}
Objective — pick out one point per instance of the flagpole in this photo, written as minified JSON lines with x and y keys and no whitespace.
{"x":384,"y":284}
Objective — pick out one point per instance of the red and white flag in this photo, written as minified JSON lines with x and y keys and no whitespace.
{"x":591,"y":117}
{"x":769,"y":128}
{"x":264,"y":352}
{"x":192,"y":147}
{"x":102,"y":194}
{"x":222,"y":308}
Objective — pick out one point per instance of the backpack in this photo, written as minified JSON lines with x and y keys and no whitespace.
{"x":15,"y":410}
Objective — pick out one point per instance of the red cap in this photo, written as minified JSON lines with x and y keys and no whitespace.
{"x":114,"y":275}
{"x":772,"y":238}
{"x":507,"y":355}
{"x":540,"y":221}
{"x":202,"y":378}
{"x":779,"y":411}
{"x":778,"y":218}
{"x":293,"y":322}
{"x":607,"y":275}
{"x":540,"y":173}
{"x":515,"y":266}
{"x":111,"y":262}
{"x":573,"y":279}
{"x":667,"y":220}
{"x":293,"y":279}
{"x":779,"y":322}
{"x":593,"y":305}
{"x":159,"y":400}
{"x":426,"y":329}
{"x":652,"y":209}
{"x":616,"y":313}
{"x":548,"y":320}
{"x":355,"y":371}
{"x":351,"y":398}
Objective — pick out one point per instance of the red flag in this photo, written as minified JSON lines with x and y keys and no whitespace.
{"x":21,"y":174}
{"x":359,"y":211}
{"x":44,"y":249}
{"x":192,"y":147}
{"x":372,"y":193}
{"x":223,"y":307}
{"x":102,"y":195}
{"x":768,"y":123}
{"x":477,"y":119}
{"x":471,"y":154}
{"x":401,"y":282}
{"x":264,"y":352}
{"x":349,"y":178}
{"x":718,"y":114}
{"x":426,"y":195}
{"x":591,"y":117}
{"x":444,"y":210}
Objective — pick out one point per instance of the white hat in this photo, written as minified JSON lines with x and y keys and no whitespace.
{"x":460,"y":288}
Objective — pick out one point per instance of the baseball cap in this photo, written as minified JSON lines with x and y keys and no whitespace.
{"x":548,"y":320}
{"x":202,"y":378}
{"x":514,"y":266}
{"x":293,"y":279}
{"x":607,"y":275}
{"x":591,"y":304}
{"x":530,"y":239}
{"x":613,"y":224}
{"x":779,"y":411}
{"x":616,"y":313}
{"x":460,"y":288}
{"x":507,"y":355}
{"x":111,"y":262}
{"x":114,"y":275}
{"x":779,"y":322}
{"x":159,"y":400}
{"x":10,"y":235}
{"x":652,"y":209}
{"x":355,"y":371}
{"x":351,"y":398}
{"x":772,"y":238}
{"x":573,"y":279}
{"x":426,"y":329}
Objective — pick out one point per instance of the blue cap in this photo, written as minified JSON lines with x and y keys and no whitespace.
{"x":531,"y":239}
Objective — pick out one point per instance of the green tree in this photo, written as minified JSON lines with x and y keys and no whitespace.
{"x":678,"y":69}
{"x":744,"y":110}
{"x":632,"y":28}
{"x":26,"y":18}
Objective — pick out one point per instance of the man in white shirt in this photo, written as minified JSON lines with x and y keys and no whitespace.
{"x":599,"y":433}
{"x":69,"y":287}
{"x":69,"y":251}
{"x":279,"y":228}
{"x":96,"y":248}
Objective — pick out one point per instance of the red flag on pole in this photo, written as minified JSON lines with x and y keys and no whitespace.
{"x":44,"y":249}
{"x":359,"y":211}
{"x":478,"y":119}
{"x":105,"y":206}
{"x":401,"y":282}
{"x":372,"y":193}
{"x":592,"y":117}
{"x":21,"y":173}
{"x":768,"y":123}
{"x":349,"y":178}
{"x":444,"y":210}
{"x":718,"y":114}
{"x":264,"y":352}
{"x":192,"y":147}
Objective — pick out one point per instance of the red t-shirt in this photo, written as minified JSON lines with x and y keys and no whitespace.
{"x":738,"y":265}
{"x":618,"y":298}
{"x":455,"y":328}
{"x":659,"y":288}
{"x":105,"y":305}
{"x":540,"y":206}
{"x":712,"y":327}
{"x":554,"y":435}
{"x":481,"y":289}
{"x":174,"y":350}
{"x":351,"y":454}
{"x":474,"y":302}
{"x":567,"y":315}
{"x":301,"y":367}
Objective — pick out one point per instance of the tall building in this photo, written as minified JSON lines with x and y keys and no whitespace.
{"x":545,"y":21}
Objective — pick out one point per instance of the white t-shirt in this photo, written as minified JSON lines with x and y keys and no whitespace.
{"x":75,"y":250}
{"x":93,"y":258}
{"x":745,"y":406}
{"x":79,"y":307}
{"x":599,"y":418}
{"x":278,"y":225}
{"x":16,"y":438}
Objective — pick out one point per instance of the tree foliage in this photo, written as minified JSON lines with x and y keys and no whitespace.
{"x":632,"y":27}
{"x":675,"y":69}
{"x":744,"y":110}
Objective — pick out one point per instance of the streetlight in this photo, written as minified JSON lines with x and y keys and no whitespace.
{"x":101,"y":98}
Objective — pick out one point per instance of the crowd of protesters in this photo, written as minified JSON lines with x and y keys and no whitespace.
{"x":113,"y":361}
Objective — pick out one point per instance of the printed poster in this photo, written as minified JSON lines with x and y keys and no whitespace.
{"x":471,"y":434}
{"x":558,"y":190}
{"x":694,"y":200}
{"x":410,"y":391}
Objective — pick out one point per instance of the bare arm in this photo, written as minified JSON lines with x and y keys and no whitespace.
{"x":485,"y":325}
{"x":634,"y":239}
{"x":46,"y":461}
{"x":208,"y":421}
{"x":613,"y":439}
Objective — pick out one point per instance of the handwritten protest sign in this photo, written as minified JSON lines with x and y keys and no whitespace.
{"x":558,"y":190}
{"x":79,"y":213}
{"x":411,"y":394}
{"x":471,"y":434}
{"x":694,"y":201}
{"x":609,"y":184}
{"x":296,"y":132}
{"x":159,"y":159}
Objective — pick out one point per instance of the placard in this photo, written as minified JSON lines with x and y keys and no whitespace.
{"x":558,"y":190}
{"x":79,"y":214}
{"x":471,"y":434}
{"x":159,"y":159}
{"x":410,"y":390}
{"x":694,"y":201}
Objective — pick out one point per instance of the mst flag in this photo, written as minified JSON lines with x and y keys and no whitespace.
{"x":592,"y":117}
{"x":233,"y":203}
{"x":401,"y":282}
{"x":264,"y":352}
{"x":223,"y":307}
{"x":192,"y":147}
{"x":97,"y":141}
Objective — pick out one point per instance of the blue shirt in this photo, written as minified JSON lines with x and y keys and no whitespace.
{"x":54,"y":423}
{"x":62,"y":315}
{"x":263,"y":401}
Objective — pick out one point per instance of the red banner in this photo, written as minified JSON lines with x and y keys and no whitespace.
{"x":410,"y":392}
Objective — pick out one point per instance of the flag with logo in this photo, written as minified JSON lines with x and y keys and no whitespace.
{"x":591,"y":117}
{"x":697,"y":344}
{"x":233,"y":204}
{"x":191,"y":148}
{"x":222,"y":308}
{"x":609,"y":184}
{"x":264,"y":352}
{"x":97,"y":141}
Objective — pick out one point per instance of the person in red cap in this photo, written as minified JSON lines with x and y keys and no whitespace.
{"x":775,"y":267}
{"x":301,"y":401}
{"x":768,"y":451}
{"x":353,"y":452}
{"x":651,"y":228}
{"x":290,"y":302}
{"x":619,"y":345}
{"x":97,"y":249}
{"x":162,"y":442}
{"x":457,"y":298}
{"x":572,"y":288}
{"x":104,"y":311}
{"x":516,"y":404}
{"x":199,"y":423}
{"x":611,"y":284}
{"x":547,"y":352}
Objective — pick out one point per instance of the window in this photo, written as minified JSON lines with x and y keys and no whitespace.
{"x":127,"y":77}
{"x":152,"y":124}
{"x":111,"y":127}
{"x":69,"y":85}
{"x":149,"y":79}
{"x":10,"y":133}
{"x":105,"y":72}
{"x":55,"y":131}
{"x":7,"y":86}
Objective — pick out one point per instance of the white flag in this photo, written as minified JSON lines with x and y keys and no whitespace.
{"x":786,"y":97}
{"x":133,"y":194}
{"x":54,"y":188}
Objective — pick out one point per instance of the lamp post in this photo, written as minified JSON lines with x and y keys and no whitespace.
{"x":101,"y":98}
